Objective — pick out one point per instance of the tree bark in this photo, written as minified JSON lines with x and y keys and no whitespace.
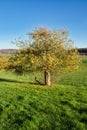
{"x":47,"y":78}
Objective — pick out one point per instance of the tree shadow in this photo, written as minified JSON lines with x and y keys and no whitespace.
{"x":16,"y":81}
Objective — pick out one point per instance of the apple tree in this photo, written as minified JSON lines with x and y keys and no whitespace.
{"x":46,"y":51}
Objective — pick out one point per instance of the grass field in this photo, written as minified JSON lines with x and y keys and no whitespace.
{"x":25,"y":106}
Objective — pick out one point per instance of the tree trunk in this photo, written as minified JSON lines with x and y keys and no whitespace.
{"x":47,"y":78}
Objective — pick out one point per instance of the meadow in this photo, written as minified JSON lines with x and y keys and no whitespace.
{"x":28,"y":106}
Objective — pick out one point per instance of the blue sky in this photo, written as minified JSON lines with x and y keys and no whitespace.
{"x":18,"y":17}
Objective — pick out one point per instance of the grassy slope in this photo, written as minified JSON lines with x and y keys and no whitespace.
{"x":29,"y":107}
{"x":78,"y":78}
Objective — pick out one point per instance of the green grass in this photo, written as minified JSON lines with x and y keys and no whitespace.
{"x":78,"y":78}
{"x":25,"y":106}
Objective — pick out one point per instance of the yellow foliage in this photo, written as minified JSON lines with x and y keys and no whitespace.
{"x":3,"y":62}
{"x":48,"y":51}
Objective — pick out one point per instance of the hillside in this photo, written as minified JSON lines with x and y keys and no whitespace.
{"x":82,"y":51}
{"x":7,"y":51}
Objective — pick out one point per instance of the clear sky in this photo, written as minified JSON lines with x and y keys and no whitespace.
{"x":18,"y":17}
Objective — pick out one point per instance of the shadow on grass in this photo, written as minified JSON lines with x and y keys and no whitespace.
{"x":16,"y":81}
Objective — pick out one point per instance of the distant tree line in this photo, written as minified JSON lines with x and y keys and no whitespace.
{"x":82,"y":51}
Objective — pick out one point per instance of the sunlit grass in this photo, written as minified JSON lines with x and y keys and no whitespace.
{"x":25,"y":106}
